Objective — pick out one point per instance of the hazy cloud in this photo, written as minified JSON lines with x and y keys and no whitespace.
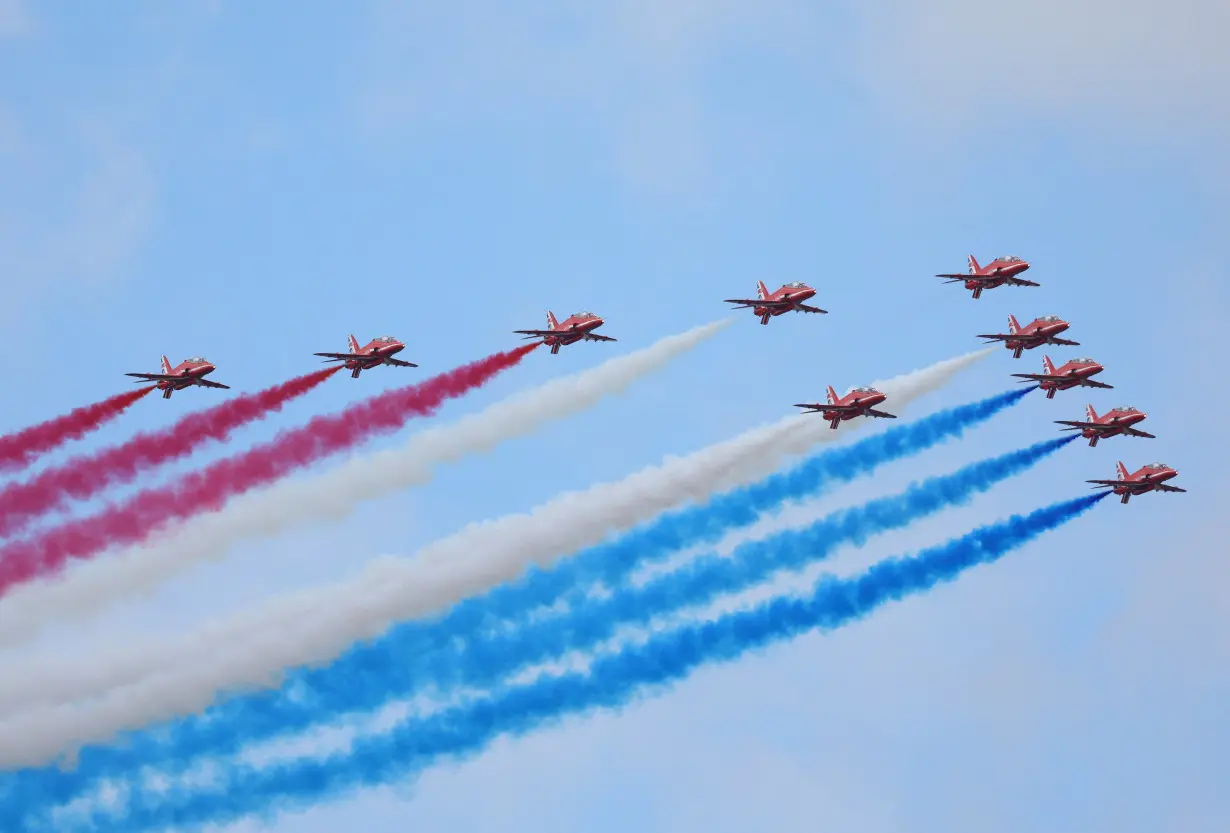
{"x":71,"y":211}
{"x":1152,"y":66}
{"x":15,"y":19}
{"x":634,"y":78}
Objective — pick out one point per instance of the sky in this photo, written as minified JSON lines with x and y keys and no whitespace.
{"x":226,"y":179}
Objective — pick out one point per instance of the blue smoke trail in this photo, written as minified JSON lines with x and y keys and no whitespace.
{"x":611,"y":682}
{"x":400,"y":669}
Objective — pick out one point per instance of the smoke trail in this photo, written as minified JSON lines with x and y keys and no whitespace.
{"x":82,"y":477}
{"x":206,"y":490}
{"x":238,"y":789}
{"x":90,"y":587}
{"x":317,"y":625}
{"x":612,"y":563}
{"x":418,"y":655}
{"x":22,"y":448}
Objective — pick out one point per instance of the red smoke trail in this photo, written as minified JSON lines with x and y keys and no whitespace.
{"x":209,"y":488}
{"x":82,"y":477}
{"x":20,"y":449}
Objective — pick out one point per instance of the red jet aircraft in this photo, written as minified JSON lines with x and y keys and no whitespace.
{"x":858,"y":402}
{"x":1042,"y":330}
{"x":579,"y":326}
{"x":1149,"y":478}
{"x":1073,"y":374}
{"x":377,"y":352}
{"x":187,"y":373}
{"x":1002,"y":271}
{"x":767,"y":305}
{"x":1118,"y":421}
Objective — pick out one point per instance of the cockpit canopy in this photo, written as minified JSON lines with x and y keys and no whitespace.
{"x":1050,"y":319}
{"x":584,"y":314}
{"x":1124,"y":408}
{"x":198,"y":360}
{"x":865,"y":390}
{"x":385,"y":340}
{"x":796,"y":285}
{"x":1009,"y":259}
{"x":1084,"y":360}
{"x":1156,"y":466}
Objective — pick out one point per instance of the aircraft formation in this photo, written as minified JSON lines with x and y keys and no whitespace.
{"x":858,"y":402}
{"x":1079,"y":372}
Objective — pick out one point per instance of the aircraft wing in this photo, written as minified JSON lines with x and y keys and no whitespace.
{"x":956,"y":277}
{"x":1162,"y":487}
{"x":758,"y":302}
{"x":596,"y":337}
{"x":874,"y":413}
{"x":1039,"y":377}
{"x":1132,"y":432}
{"x":537,"y":333}
{"x":1065,"y":342}
{"x":820,"y":406}
{"x":1102,"y":483}
{"x":1020,"y":282}
{"x":340,"y":357}
{"x":806,"y":308}
{"x":1076,"y":426}
{"x":1090,"y":383}
{"x":153,"y":377}
{"x":399,"y":363}
{"x":208,"y":384}
{"x":995,"y":336}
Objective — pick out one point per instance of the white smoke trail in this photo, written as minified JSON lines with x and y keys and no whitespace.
{"x":141,"y":684}
{"x":89,"y":587}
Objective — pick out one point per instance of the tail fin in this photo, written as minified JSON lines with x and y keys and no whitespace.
{"x":1048,"y":366}
{"x":1122,"y":469}
{"x":552,"y":324}
{"x":166,"y":365}
{"x":354,"y":344}
{"x":832,"y":395}
{"x":762,"y":291}
{"x":1013,"y":326}
{"x":973,"y":264}
{"x":1091,"y":414}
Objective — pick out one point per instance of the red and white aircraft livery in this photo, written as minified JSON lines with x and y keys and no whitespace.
{"x":790,"y":297}
{"x":579,"y":326}
{"x":1073,"y":374}
{"x":1118,"y":421}
{"x":1002,"y":271}
{"x":187,"y":373}
{"x":1042,"y":330}
{"x":378,"y":351}
{"x":1148,"y":478}
{"x":856,"y":403}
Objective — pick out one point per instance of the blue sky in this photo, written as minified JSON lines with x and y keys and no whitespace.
{"x":229,"y":180}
